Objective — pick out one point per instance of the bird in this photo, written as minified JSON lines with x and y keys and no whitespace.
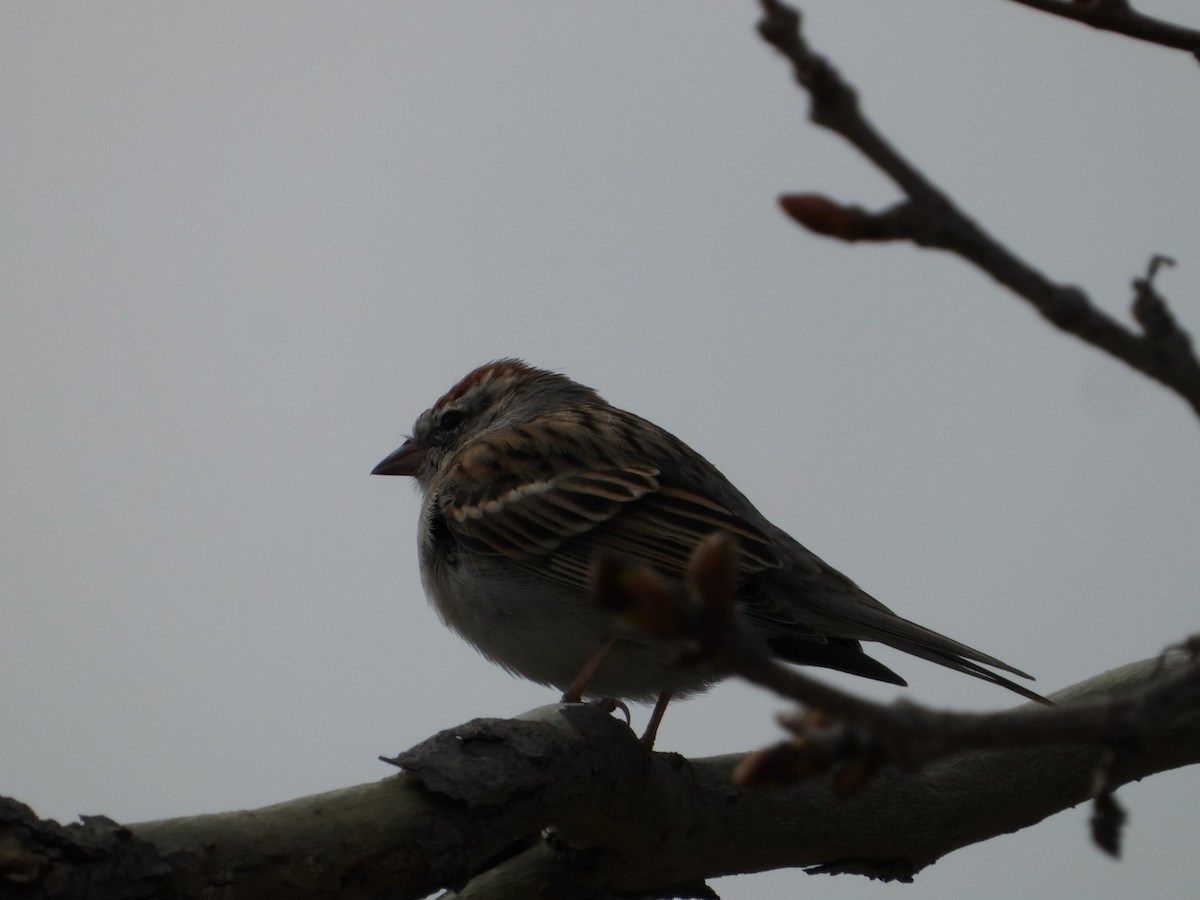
{"x":527,"y":476}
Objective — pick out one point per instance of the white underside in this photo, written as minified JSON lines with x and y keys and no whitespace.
{"x":545,"y":632}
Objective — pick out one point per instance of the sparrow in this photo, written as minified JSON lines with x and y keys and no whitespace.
{"x":526,"y":476}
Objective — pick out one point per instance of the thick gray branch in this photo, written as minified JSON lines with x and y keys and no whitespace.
{"x":566,"y":791}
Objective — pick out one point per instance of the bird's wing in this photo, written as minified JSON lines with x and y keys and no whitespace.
{"x":535,"y":515}
{"x":552,"y":518}
{"x":556,"y":523}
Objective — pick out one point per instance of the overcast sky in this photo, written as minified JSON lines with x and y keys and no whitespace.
{"x":245,"y":245}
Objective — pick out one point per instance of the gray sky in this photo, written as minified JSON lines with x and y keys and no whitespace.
{"x":245,"y":245}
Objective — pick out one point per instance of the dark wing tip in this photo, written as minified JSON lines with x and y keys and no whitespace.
{"x":834,"y":653}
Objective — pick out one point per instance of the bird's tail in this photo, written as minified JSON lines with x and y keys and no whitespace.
{"x":834,"y":606}
{"x":886,"y":627}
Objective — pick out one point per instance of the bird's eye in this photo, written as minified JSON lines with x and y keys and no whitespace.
{"x":451,"y":419}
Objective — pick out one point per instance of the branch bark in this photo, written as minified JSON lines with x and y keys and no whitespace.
{"x":565,"y":795}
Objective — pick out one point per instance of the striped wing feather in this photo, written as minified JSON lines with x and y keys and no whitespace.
{"x":557,"y":525}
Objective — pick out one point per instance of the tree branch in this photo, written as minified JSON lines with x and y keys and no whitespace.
{"x":565,"y":789}
{"x":1120,"y":17}
{"x":852,"y":737}
{"x":929,"y":218}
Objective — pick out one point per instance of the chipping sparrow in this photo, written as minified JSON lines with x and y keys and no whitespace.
{"x":526,"y":475}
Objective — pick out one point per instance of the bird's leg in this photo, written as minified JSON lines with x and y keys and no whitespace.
{"x":576,"y":688}
{"x":656,"y":717}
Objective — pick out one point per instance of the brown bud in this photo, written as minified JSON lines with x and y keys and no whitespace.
{"x":639,"y":595}
{"x":819,"y":214}
{"x":712,"y":572}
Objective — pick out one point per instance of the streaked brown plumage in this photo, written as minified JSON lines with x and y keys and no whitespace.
{"x":527,"y":474}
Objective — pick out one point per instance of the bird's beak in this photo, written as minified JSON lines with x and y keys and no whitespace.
{"x":404,"y":461}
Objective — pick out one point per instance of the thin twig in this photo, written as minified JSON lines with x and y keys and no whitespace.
{"x":1120,"y":17}
{"x":929,"y":218}
{"x":849,"y":728}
